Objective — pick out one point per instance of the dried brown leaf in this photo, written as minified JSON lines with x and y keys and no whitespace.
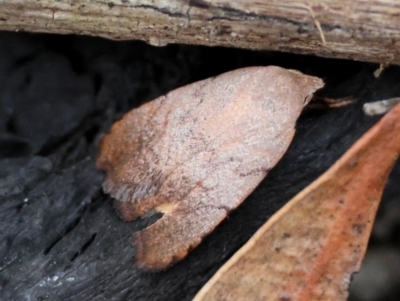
{"x":198,"y":152}
{"x":310,"y":248}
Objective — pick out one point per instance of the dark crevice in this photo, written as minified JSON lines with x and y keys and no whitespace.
{"x":48,"y":249}
{"x":75,"y":256}
{"x":149,"y":219}
{"x":68,"y":229}
{"x":87,"y":244}
{"x":84,"y":247}
{"x":25,"y":60}
{"x":97,"y":200}
{"x":13,"y":148}
{"x":92,"y":132}
{"x":199,"y":3}
{"x":10,"y":125}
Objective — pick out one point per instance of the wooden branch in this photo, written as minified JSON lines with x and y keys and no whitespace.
{"x":357,"y":29}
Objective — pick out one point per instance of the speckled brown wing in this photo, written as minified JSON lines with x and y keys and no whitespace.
{"x":198,"y":152}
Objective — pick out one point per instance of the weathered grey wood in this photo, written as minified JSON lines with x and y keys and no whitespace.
{"x":357,"y":29}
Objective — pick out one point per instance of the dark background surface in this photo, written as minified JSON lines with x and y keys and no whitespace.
{"x":60,"y":238}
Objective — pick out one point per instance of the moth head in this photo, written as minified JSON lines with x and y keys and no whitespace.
{"x":308,"y":84}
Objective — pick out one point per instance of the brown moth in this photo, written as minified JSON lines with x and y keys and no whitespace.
{"x":197,"y":152}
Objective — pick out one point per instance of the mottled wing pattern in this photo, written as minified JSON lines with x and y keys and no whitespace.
{"x":198,"y":152}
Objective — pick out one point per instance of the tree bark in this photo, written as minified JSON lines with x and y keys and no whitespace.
{"x":366,"y":30}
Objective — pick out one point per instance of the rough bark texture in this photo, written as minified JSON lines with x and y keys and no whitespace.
{"x":60,"y":237}
{"x":358,"y":29}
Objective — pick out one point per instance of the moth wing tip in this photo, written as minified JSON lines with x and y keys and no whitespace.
{"x":150,"y":260}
